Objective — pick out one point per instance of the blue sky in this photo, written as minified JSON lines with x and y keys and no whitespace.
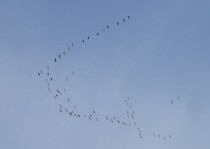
{"x":161,"y":53}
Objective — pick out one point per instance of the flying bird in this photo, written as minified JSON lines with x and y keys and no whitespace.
{"x":97,"y":34}
{"x":118,"y":23}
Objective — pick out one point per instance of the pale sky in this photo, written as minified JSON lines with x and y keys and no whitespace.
{"x":158,"y":55}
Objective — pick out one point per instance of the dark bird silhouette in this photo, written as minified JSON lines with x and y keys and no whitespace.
{"x":83,"y":41}
{"x":129,"y":17}
{"x":48,"y":73}
{"x":59,"y":56}
{"x":68,"y":48}
{"x":123,"y":20}
{"x":60,"y":110}
{"x":68,"y":99}
{"x":118,"y":23}
{"x":88,"y":37}
{"x":107,"y":26}
{"x":51,"y":78}
{"x":38,"y":74}
{"x":97,"y":34}
{"x":55,"y":60}
{"x":171,"y":101}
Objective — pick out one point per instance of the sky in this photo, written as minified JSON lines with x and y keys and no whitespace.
{"x":158,"y":56}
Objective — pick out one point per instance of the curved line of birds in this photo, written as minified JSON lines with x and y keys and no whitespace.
{"x":92,"y":116}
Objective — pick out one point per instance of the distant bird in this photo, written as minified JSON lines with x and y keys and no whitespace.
{"x":106,"y":117}
{"x":67,"y":79}
{"x":48,"y":73}
{"x":123,"y":20}
{"x":118,"y":23}
{"x":111,"y":120}
{"x":55,"y":60}
{"x":59,"y":56}
{"x":91,"y":115}
{"x":78,"y":115}
{"x":38,"y":74}
{"x":51,"y":78}
{"x":88,"y":37}
{"x":107,"y":26}
{"x":68,"y":99}
{"x":60,"y":110}
{"x":118,"y":121}
{"x":128,"y":17}
{"x":97,"y":34}
{"x":171,"y":101}
{"x":94,"y":112}
{"x":83,"y":41}
{"x":68,"y":48}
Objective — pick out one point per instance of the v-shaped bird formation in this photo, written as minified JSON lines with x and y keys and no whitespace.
{"x":66,"y":104}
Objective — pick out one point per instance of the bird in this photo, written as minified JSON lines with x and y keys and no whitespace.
{"x":68,"y":99}
{"x":38,"y":74}
{"x":97,"y":34}
{"x":171,"y":101}
{"x":48,"y":73}
{"x":68,"y":48}
{"x":128,"y":17}
{"x":123,"y":20}
{"x":83,"y":41}
{"x":88,"y":37}
{"x":55,"y":60}
{"x":118,"y":23}
{"x":51,"y":78}
{"x":60,"y":110}
{"x":59,"y":56}
{"x":94,"y":111}
{"x":107,"y":26}
{"x":67,"y":79}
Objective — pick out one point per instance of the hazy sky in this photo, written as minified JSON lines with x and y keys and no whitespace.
{"x":160,"y":53}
